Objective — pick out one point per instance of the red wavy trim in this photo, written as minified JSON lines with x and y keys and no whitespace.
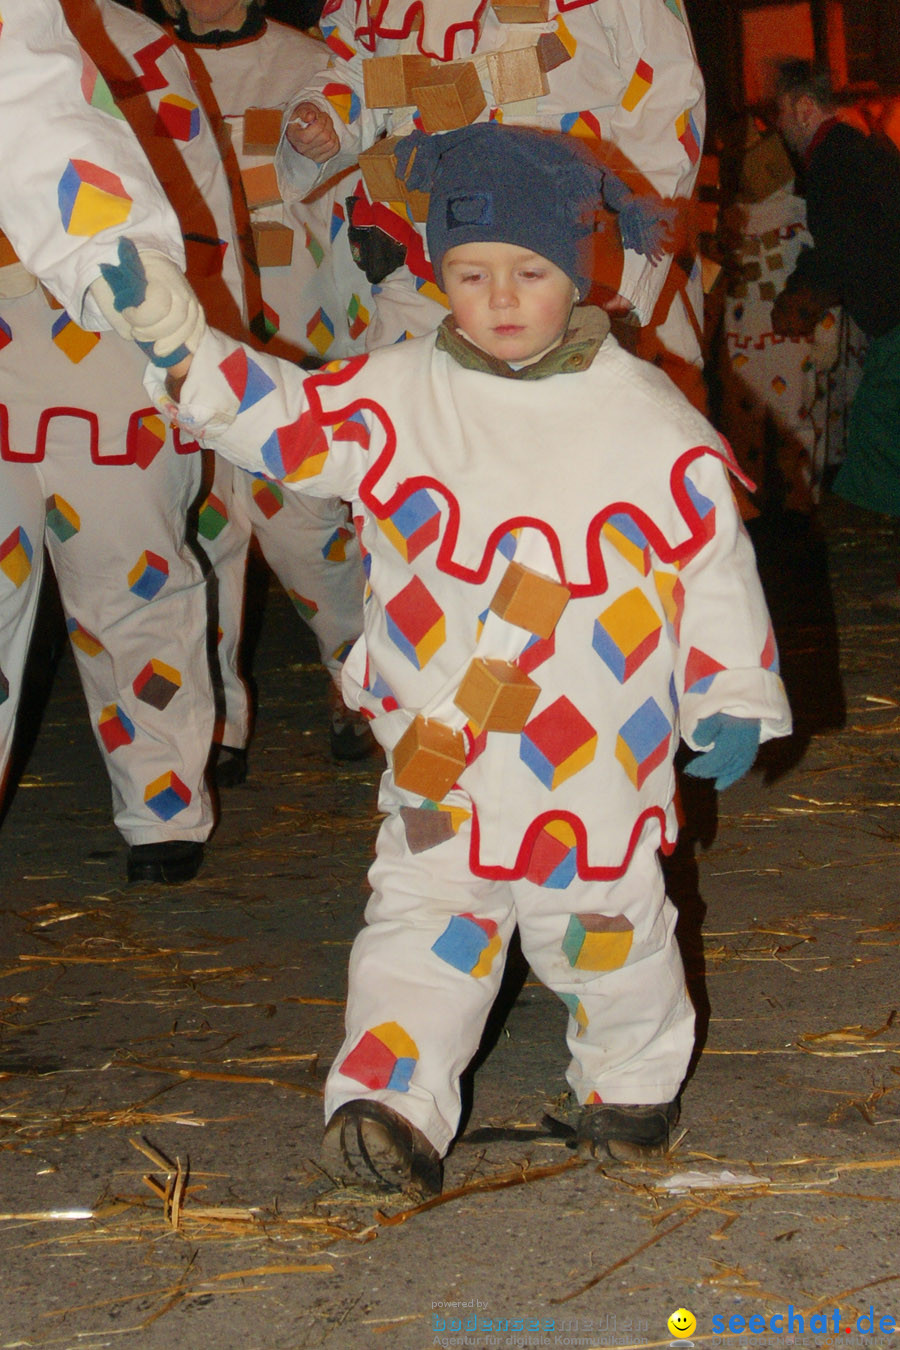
{"x":666,"y":552}
{"x":583,"y":868}
{"x":368,"y":33}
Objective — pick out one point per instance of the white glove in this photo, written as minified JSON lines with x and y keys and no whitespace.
{"x":146,"y":298}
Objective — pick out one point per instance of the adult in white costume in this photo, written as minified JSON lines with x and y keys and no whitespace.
{"x":86,"y":467}
{"x":628,"y":80}
{"x":243,"y":60}
{"x":785,"y":399}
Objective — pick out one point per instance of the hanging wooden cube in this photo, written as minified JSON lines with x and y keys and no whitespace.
{"x":529,"y":599}
{"x":273,"y":242}
{"x":262,"y":131}
{"x":516,"y":75}
{"x":261,"y":186}
{"x":389,"y":80}
{"x":378,"y":166}
{"x":521,"y":11}
{"x":428,"y":758}
{"x":452,"y":97}
{"x":496,"y":695}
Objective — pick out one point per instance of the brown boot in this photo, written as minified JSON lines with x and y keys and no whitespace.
{"x":366,"y":1143}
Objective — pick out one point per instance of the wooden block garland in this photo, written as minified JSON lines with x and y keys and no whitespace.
{"x":521,"y":11}
{"x":262,"y":131}
{"x":261,"y":186}
{"x":516,"y":75}
{"x":451,"y":98}
{"x":273,"y":242}
{"x":378,"y":166}
{"x":530,"y":600}
{"x":428,"y":758}
{"x":496,"y":695}
{"x":389,"y":80}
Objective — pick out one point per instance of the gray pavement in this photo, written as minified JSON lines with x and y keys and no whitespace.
{"x":162,"y":1050}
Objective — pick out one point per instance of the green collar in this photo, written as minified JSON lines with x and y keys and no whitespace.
{"x":587,"y":330}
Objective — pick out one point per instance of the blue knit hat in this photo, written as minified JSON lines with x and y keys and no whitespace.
{"x":514,"y":185}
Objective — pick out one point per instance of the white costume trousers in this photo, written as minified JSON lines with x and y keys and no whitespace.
{"x":426,"y":969}
{"x":89,"y":470}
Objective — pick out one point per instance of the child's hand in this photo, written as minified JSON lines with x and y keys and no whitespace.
{"x":311,"y":132}
{"x":733,"y":743}
{"x":146,"y":298}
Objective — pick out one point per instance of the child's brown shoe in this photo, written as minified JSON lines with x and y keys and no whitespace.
{"x":366,"y":1143}
{"x":627,"y":1133}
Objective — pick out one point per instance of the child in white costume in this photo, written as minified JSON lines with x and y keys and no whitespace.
{"x":624,"y":76}
{"x":516,"y":447}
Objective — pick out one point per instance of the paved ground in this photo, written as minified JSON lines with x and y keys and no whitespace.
{"x":162,"y":1051}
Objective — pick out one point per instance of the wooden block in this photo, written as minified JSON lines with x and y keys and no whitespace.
{"x":516,"y":75}
{"x":529,"y":599}
{"x":378,"y":166}
{"x":261,"y":186}
{"x":551,"y":52}
{"x":390,"y":80}
{"x":428,"y":759}
{"x":496,"y":695}
{"x":273,"y":242}
{"x":451,"y":98}
{"x":521,"y":11}
{"x":262,"y":131}
{"x":8,"y":254}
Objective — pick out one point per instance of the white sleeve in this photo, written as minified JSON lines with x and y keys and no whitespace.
{"x":75,"y":177}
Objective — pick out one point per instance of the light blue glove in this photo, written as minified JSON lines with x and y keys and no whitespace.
{"x":161,"y":313}
{"x":733,"y":743}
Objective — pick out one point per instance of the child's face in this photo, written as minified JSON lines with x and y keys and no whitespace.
{"x":511,"y":302}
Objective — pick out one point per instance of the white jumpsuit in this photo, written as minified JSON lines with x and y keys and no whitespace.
{"x":454,"y":474}
{"x":773,"y":380}
{"x":631,"y":82}
{"x":86,"y":466}
{"x":308,"y":544}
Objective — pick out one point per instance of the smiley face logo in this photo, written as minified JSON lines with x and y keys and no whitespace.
{"x":682,"y":1323}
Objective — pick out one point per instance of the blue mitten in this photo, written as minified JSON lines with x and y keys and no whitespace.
{"x":159,"y":309}
{"x":733,"y":743}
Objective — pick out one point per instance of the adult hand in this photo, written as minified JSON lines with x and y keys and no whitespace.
{"x":733,"y":743}
{"x":311,"y":133}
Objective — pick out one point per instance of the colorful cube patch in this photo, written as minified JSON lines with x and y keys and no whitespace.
{"x":167,"y":795}
{"x":558,"y":743}
{"x":62,"y":518}
{"x":469,"y":944}
{"x":414,"y":525}
{"x":157,"y":684}
{"x":91,"y":198}
{"x":554,"y":857}
{"x":116,"y":727}
{"x":626,"y":633}
{"x":16,"y":553}
{"x":212,"y":517}
{"x":597,"y":941}
{"x":82,"y":639}
{"x":74,"y":342}
{"x":415,"y":623}
{"x":148,"y":576}
{"x":629,"y":540}
{"x":384,"y":1057}
{"x":643,"y":741}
